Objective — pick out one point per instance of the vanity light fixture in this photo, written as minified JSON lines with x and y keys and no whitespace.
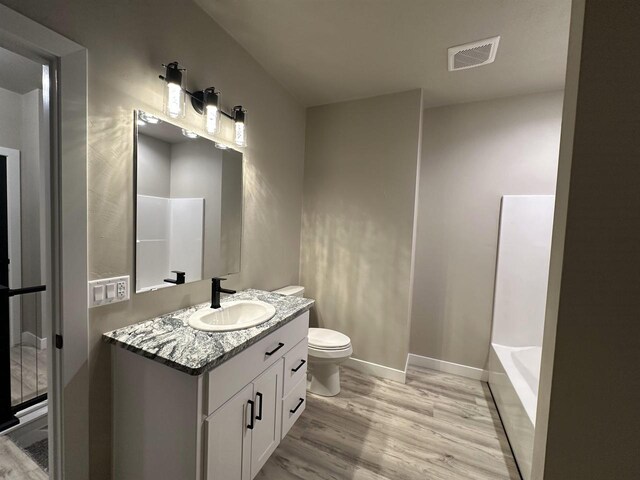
{"x":206,"y":102}
{"x":174,"y":89}
{"x":189,"y":133}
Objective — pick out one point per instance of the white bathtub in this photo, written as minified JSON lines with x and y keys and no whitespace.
{"x":514,"y":374}
{"x":522,"y":275}
{"x":522,"y":366}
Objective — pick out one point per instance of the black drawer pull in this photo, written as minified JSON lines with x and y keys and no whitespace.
{"x":253,"y":412}
{"x":302,"y":362}
{"x":297,"y":406}
{"x":259,"y":416}
{"x":280,"y":345}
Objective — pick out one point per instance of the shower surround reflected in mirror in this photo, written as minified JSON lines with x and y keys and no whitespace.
{"x":188,"y":205}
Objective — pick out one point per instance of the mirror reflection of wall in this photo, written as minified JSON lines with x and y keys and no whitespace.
{"x":189,"y":207}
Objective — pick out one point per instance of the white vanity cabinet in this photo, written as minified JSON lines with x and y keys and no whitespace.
{"x":222,"y":425}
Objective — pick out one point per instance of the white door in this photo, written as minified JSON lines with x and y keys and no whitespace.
{"x":267,"y":391}
{"x":228,"y":435}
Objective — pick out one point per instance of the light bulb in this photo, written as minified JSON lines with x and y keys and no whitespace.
{"x":240,"y":135}
{"x":175,"y":101}
{"x":148,"y":118}
{"x":174,"y":79}
{"x":240,"y":129}
{"x":213,"y":119}
{"x":189,"y":133}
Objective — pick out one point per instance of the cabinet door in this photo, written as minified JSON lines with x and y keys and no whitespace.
{"x":267,"y":390}
{"x":228,"y":435}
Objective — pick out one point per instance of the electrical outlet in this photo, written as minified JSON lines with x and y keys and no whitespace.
{"x":100,"y":291}
{"x":122,"y":287}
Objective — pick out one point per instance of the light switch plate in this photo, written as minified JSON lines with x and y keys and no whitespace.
{"x":118,"y":285}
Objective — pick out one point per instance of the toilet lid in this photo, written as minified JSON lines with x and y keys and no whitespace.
{"x":327,"y":339}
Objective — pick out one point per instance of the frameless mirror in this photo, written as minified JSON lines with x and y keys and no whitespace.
{"x":188,"y":205}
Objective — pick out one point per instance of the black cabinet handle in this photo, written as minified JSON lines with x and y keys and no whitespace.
{"x":297,"y":406}
{"x":302,"y":362}
{"x":253,"y":412}
{"x":280,"y":345}
{"x":259,"y":416}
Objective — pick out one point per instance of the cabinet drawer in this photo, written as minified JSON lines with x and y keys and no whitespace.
{"x":295,"y":365}
{"x":224,"y":381}
{"x":293,"y":405}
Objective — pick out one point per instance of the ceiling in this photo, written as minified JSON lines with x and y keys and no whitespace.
{"x":325,"y":51}
{"x":19,"y":74}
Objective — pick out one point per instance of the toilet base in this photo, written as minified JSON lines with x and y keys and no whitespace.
{"x":324,"y":379}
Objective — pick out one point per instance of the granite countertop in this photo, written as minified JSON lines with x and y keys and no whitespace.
{"x":170,"y":340}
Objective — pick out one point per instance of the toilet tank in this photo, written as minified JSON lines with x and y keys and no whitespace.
{"x":292,"y":290}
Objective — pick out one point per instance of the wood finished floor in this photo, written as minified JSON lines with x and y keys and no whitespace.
{"x":28,"y":373}
{"x":17,"y":465}
{"x":435,"y":427}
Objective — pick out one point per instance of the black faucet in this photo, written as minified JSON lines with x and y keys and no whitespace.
{"x":216,"y":290}
{"x":179,"y":278}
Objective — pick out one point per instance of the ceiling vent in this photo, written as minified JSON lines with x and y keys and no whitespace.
{"x":473,"y":54}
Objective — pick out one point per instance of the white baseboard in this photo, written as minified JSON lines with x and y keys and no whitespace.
{"x":448,"y":367}
{"x":376,"y":370}
{"x":32,"y":340}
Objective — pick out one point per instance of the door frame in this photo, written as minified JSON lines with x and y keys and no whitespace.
{"x":68,"y":367}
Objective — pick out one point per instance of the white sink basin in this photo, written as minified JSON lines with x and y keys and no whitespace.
{"x":234,"y":315}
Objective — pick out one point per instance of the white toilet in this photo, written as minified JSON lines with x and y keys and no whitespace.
{"x":327,"y":350}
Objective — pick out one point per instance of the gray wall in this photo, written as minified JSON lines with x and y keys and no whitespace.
{"x":588,"y":422}
{"x":232,"y":209}
{"x":31,"y":183}
{"x":196,"y":172}
{"x":10,"y":137}
{"x":357,"y":234}
{"x":127,"y":42}
{"x":472,"y":154}
{"x":154,"y":167}
{"x":10,"y":119}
